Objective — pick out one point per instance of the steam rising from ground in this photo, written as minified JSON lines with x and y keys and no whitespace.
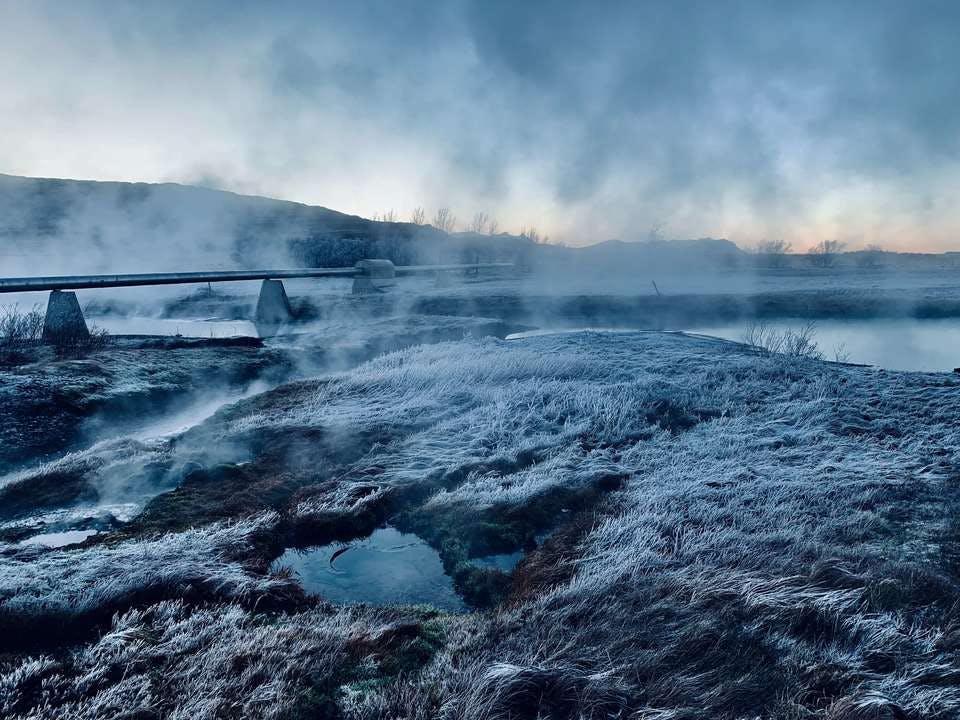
{"x":747,"y":120}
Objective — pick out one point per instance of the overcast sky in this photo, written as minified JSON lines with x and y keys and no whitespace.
{"x":746,"y":120}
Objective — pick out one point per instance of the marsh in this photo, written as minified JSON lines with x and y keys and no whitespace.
{"x":479,"y":360}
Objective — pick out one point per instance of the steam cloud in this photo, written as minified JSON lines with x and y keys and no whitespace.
{"x":736,"y":119}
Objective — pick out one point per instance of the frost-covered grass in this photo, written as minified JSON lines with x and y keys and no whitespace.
{"x":736,"y":536}
{"x":43,"y":593}
{"x":218,"y":661}
{"x":50,"y":406}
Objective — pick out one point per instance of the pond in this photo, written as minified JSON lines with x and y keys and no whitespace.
{"x":892,"y":344}
{"x":504,"y":562}
{"x":387,"y":568}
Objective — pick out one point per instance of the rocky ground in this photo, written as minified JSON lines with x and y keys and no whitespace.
{"x":706,"y":532}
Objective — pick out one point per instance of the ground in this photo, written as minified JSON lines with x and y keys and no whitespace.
{"x":728,"y":535}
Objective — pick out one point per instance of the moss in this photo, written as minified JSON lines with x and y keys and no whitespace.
{"x":481,"y":587}
{"x":404,"y":650}
{"x":459,"y":536}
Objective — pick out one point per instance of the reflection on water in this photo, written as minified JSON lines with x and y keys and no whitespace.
{"x":387,"y":568}
{"x":187,"y":327}
{"x":903,"y":344}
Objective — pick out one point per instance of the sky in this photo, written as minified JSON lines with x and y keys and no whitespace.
{"x":589,"y":121}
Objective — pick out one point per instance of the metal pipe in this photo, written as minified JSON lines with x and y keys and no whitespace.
{"x":81,"y":282}
{"x":418,"y":269}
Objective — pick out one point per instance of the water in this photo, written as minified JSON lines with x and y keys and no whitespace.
{"x":902,"y":344}
{"x":60,"y":539}
{"x":193,"y":415}
{"x":892,"y":344}
{"x":387,"y":568}
{"x":187,"y":327}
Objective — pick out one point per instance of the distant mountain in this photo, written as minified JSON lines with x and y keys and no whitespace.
{"x":663,"y":254}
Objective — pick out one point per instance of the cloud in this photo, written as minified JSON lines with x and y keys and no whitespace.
{"x":744,"y":119}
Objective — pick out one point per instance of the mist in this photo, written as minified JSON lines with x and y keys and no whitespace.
{"x":747,"y":121}
{"x":592,"y":360}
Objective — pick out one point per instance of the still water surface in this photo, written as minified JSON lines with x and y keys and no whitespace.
{"x":387,"y":568}
{"x":903,"y":344}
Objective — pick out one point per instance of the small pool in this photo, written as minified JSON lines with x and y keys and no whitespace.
{"x":387,"y":568}
{"x":60,"y":539}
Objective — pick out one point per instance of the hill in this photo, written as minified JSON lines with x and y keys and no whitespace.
{"x":52,"y":226}
{"x":72,"y":226}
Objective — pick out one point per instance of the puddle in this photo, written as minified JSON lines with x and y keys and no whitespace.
{"x":387,"y":568}
{"x":60,"y":539}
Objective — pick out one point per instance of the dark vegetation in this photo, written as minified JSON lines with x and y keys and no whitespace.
{"x":50,"y":404}
{"x":19,"y":331}
{"x":675,"y":311}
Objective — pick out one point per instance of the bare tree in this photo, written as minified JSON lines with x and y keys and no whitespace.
{"x":533,"y":236}
{"x":772,"y":253}
{"x":390,"y":216}
{"x":419,"y":216}
{"x":479,"y":223}
{"x":870,"y":257}
{"x":444,"y":220}
{"x":655,"y":234}
{"x":493,"y":227}
{"x":825,"y":252}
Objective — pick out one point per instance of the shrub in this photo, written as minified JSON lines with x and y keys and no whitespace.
{"x":772,"y":253}
{"x":68,"y":344}
{"x":825,"y":252}
{"x":798,"y":343}
{"x":18,"y":330}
